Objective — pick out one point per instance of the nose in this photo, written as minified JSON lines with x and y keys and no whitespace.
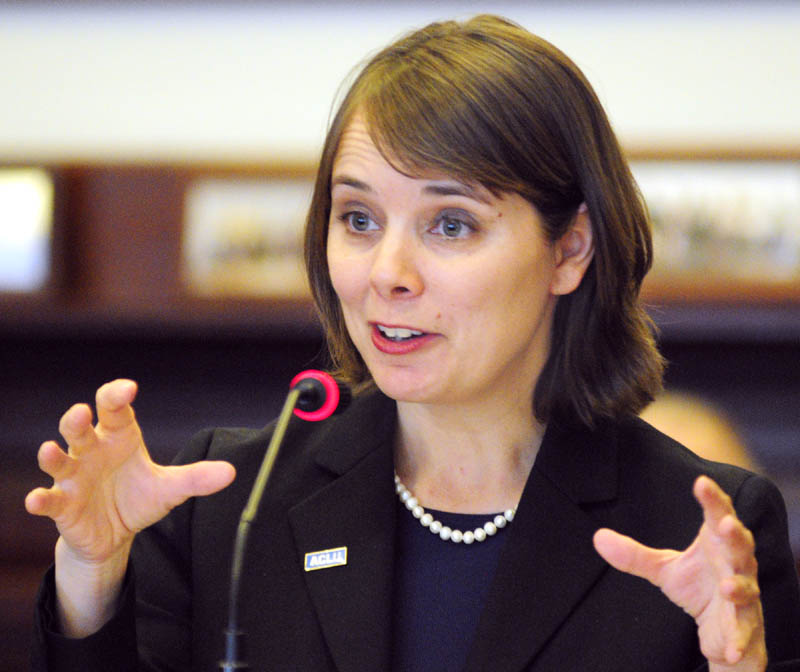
{"x":395,"y":271}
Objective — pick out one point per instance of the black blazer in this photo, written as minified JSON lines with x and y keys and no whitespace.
{"x":554,"y":604}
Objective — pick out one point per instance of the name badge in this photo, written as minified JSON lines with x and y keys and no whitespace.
{"x":332,"y":557}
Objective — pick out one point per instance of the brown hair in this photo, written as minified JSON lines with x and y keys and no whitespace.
{"x":486,"y":101}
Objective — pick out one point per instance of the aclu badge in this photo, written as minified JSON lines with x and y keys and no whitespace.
{"x":332,"y":557}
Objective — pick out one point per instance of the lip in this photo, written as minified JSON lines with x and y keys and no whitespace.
{"x":390,"y":347}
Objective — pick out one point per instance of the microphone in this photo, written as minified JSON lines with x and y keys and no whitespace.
{"x":321,"y":395}
{"x":313,"y":396}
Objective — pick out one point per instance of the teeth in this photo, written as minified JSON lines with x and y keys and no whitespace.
{"x":398,"y":333}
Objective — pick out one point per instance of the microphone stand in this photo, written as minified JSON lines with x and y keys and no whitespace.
{"x":234,"y":637}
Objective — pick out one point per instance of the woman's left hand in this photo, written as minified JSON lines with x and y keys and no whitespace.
{"x":714,"y":580}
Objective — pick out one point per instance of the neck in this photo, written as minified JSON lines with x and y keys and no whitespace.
{"x":466,"y":460}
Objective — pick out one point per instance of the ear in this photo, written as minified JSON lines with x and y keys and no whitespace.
{"x":573,"y":254}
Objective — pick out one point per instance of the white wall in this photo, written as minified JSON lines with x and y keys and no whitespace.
{"x":210,"y":81}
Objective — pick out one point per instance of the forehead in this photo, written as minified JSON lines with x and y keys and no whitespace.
{"x":356,"y":146}
{"x":358,"y":156}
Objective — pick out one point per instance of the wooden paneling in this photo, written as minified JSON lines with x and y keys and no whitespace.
{"x":117,"y":259}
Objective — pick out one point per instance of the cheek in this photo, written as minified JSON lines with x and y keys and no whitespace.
{"x":345,"y":273}
{"x":518,"y":290}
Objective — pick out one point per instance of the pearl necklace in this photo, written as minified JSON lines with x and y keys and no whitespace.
{"x":445,"y":533}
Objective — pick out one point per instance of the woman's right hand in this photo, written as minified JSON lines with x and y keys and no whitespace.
{"x":105,"y":490}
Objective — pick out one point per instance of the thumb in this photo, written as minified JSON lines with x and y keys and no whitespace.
{"x":198,"y":479}
{"x":628,"y":555}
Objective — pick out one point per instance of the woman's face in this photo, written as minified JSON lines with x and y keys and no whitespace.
{"x":447,"y":291}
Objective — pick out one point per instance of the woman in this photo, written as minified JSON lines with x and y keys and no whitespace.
{"x":475,"y":246}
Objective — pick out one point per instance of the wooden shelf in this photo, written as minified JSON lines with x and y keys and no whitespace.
{"x":704,"y":288}
{"x":187,"y":316}
{"x":116,"y":267}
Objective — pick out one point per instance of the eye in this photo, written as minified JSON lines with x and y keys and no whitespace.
{"x":452,"y":225}
{"x":358,"y":221}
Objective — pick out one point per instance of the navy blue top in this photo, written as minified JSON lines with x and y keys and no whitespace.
{"x":439,"y":591}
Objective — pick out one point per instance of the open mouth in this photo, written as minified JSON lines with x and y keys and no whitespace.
{"x":398,"y":334}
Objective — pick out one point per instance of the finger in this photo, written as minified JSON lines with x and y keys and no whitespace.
{"x":113,"y":400}
{"x":53,"y":461}
{"x":743,"y":638}
{"x":733,"y":652}
{"x":76,"y":428}
{"x":715,"y":502}
{"x":628,"y":555}
{"x":740,"y":590}
{"x":198,"y":479}
{"x":44,"y":502}
{"x":35,"y":501}
{"x":739,"y":545}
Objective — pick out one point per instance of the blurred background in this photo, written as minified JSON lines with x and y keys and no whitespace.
{"x":156,"y":160}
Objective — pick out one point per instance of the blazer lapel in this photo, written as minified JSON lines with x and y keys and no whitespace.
{"x":548,"y":564}
{"x":356,"y":511}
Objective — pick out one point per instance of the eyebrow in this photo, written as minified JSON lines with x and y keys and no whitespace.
{"x":455,"y":189}
{"x":435,"y":188}
{"x":350,"y":182}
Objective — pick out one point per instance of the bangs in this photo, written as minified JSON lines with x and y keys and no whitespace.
{"x":423,"y":120}
{"x":454,"y":106}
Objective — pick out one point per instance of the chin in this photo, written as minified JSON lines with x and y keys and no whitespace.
{"x":407,"y":386}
